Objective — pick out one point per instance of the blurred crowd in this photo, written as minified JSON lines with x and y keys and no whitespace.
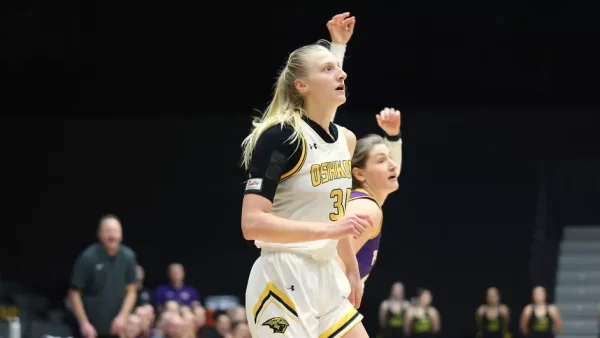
{"x":174,"y":310}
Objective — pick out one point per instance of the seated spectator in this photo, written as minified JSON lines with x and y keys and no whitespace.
{"x":171,"y":306}
{"x":146,"y":314}
{"x":199,"y":321}
{"x":241,"y":330}
{"x":188,"y":319}
{"x":237,"y":315}
{"x":176,"y":289}
{"x":162,"y":325}
{"x":176,"y":327}
{"x":133,"y":327}
{"x":144,"y":295}
{"x":222,"y":327}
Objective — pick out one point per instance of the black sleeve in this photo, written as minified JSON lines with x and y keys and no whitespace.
{"x":275,"y":158}
{"x":131,"y":269}
{"x":80,"y":273}
{"x":393,"y":138}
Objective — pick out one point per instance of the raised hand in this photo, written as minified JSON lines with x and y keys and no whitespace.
{"x":389,"y":120}
{"x":341,"y":28}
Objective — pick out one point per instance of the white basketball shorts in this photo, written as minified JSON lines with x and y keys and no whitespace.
{"x":290,"y":295}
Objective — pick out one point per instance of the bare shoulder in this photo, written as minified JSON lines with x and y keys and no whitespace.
{"x":553,"y":308}
{"x":347,"y":133}
{"x":481,"y":309}
{"x":527,"y":309}
{"x":504,"y":309}
{"x":364,"y":205}
{"x":350,"y":138}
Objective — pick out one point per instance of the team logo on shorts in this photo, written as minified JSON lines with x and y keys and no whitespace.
{"x":277,"y":324}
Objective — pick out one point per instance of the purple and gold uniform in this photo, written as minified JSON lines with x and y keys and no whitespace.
{"x":367,"y":255}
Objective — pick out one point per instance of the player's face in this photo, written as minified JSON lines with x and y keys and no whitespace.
{"x":110,"y":233}
{"x":324,"y":82}
{"x":539,"y":295}
{"x":398,"y":291}
{"x":380,"y":169}
{"x":492,"y":297}
{"x":425,"y":298}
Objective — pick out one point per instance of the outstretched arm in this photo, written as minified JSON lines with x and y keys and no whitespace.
{"x":389,"y":120}
{"x":341,"y":28}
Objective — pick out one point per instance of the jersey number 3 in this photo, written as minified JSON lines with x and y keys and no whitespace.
{"x":339,"y":203}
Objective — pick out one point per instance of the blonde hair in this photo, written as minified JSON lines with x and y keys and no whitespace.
{"x":287,"y":104}
{"x":361,"y":154}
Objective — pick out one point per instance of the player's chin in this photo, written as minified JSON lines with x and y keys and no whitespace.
{"x":393,"y":185}
{"x":340,"y":98}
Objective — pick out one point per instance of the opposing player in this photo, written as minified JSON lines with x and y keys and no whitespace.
{"x":294,"y":205}
{"x":376,"y":167}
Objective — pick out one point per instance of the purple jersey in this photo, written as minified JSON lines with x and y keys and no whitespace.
{"x":367,"y":255}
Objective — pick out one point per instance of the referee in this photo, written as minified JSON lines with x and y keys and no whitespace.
{"x":104,"y":283}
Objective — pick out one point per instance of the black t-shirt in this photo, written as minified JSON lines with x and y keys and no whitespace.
{"x":102,"y":280}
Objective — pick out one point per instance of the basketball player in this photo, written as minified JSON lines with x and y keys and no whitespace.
{"x":540,"y":319}
{"x":376,"y":167}
{"x":392,"y":312}
{"x":299,"y":164}
{"x":341,"y":28}
{"x":422,"y":320}
{"x":492,"y":317}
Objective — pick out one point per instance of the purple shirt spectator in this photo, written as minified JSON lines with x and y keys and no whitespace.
{"x":176,"y":289}
{"x":183,"y":295}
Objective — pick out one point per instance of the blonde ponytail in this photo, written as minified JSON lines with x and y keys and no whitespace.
{"x":286,"y":106}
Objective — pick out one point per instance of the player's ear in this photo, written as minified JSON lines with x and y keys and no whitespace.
{"x":358,"y":174}
{"x":301,"y":86}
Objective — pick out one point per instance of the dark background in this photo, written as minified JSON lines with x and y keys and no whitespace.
{"x":146,"y":108}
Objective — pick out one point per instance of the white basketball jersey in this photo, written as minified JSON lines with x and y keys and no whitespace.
{"x":316,"y":190}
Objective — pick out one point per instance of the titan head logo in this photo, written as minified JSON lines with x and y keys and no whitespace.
{"x":277,"y":324}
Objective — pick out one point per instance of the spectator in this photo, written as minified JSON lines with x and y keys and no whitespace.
{"x":133,"y":327}
{"x":177,"y":327}
{"x":146,"y":314}
{"x":176,"y":289}
{"x":237,"y":315}
{"x":241,"y":330}
{"x":144,"y":295}
{"x":104,"y":283}
{"x":162,"y":326}
{"x":188,"y":318}
{"x":199,"y":321}
{"x":222,"y":327}
{"x":171,"y":306}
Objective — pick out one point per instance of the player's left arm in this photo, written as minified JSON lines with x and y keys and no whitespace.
{"x":389,"y":120}
{"x":556,"y":318}
{"x":341,"y":28}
